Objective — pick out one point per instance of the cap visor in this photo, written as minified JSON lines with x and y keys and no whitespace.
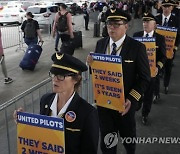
{"x":58,"y":71}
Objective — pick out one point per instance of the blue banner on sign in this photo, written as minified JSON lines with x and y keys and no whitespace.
{"x":145,"y":39}
{"x":106,"y":58}
{"x":172,"y":29}
{"x":40,"y":121}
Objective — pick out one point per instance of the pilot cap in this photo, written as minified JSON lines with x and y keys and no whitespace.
{"x":65,"y":64}
{"x":118,"y":15}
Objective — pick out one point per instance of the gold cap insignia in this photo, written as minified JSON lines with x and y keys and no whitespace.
{"x":145,"y":14}
{"x":59,"y":57}
{"x":166,"y":0}
{"x":113,"y":11}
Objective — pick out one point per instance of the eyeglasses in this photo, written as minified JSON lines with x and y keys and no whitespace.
{"x":60,"y":77}
{"x":114,"y":24}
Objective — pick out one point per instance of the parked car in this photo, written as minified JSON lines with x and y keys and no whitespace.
{"x":57,"y":3}
{"x":69,"y":6}
{"x":48,"y":3}
{"x":26,"y":4}
{"x":14,"y":4}
{"x":12,"y":15}
{"x":44,"y":14}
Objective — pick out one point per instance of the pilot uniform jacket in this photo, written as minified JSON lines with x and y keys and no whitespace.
{"x":136,"y":70}
{"x":172,"y":22}
{"x":136,"y":78}
{"x":155,"y":82}
{"x":160,"y":48}
{"x":81,"y":135}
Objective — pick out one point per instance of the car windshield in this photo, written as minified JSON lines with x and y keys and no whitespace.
{"x":36,"y":10}
{"x":53,"y":9}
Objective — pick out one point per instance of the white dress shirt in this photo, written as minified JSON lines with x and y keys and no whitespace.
{"x":63,"y":110}
{"x":163,"y":18}
{"x":149,"y":34}
{"x":118,"y":44}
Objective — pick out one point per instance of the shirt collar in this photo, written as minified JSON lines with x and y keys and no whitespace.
{"x":63,"y":110}
{"x":150,"y":34}
{"x":118,"y":43}
{"x":163,"y":17}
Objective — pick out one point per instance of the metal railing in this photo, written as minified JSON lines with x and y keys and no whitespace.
{"x":12,"y":35}
{"x":30,"y":102}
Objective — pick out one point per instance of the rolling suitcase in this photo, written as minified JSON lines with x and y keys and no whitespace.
{"x":31,"y":57}
{"x":104,"y":31}
{"x":96,"y":29}
{"x":77,"y":39}
{"x":67,"y":47}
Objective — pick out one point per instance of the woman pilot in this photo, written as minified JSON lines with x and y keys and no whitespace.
{"x":80,"y":118}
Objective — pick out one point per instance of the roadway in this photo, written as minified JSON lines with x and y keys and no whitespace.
{"x":164,"y":118}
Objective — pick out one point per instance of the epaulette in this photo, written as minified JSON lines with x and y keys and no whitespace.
{"x":135,"y":94}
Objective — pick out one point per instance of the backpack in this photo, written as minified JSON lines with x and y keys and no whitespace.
{"x":62,"y":25}
{"x":103,"y":17}
{"x":30,"y":29}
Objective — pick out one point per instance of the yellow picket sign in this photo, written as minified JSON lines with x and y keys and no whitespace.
{"x":170,"y":37}
{"x":40,"y":134}
{"x":107,"y":78}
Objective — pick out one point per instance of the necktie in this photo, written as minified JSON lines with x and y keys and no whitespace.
{"x":114,"y":49}
{"x":147,"y":35}
{"x":165,"y":22}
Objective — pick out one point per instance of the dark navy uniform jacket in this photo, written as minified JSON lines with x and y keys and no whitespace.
{"x":160,"y":47}
{"x":136,"y":70}
{"x":81,"y":135}
{"x":172,"y":22}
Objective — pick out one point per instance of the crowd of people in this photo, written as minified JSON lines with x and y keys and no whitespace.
{"x":82,"y":134}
